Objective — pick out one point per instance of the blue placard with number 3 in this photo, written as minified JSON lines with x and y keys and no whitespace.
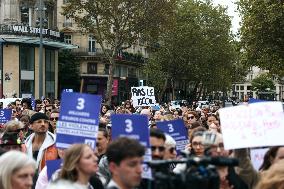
{"x":78,"y":120}
{"x":5,"y":115}
{"x":136,"y":127}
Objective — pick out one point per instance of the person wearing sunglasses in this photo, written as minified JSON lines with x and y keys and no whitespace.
{"x":170,"y":148}
{"x":53,"y":118}
{"x":157,"y":142}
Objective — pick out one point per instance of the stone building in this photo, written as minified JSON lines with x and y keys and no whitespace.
{"x":94,"y":69}
{"x":19,"y":48}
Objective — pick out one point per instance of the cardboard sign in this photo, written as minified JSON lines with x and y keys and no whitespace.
{"x":79,"y":119}
{"x":5,"y":115}
{"x":254,"y":125}
{"x":257,"y":156}
{"x":177,"y":130}
{"x":143,"y":96}
{"x":135,"y":127}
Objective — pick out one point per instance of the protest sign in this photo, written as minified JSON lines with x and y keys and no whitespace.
{"x":52,"y":166}
{"x":135,"y":127}
{"x":143,"y":96}
{"x":177,"y":130}
{"x":257,"y":156}
{"x":254,"y":125}
{"x":5,"y":115}
{"x":68,"y":90}
{"x":79,"y":119}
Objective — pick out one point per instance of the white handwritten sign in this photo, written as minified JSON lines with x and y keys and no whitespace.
{"x":253,"y":125}
{"x":143,"y":96}
{"x":257,"y":156}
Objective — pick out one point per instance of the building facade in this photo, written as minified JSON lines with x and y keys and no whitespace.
{"x":19,"y":48}
{"x":240,"y":89}
{"x":94,"y":68}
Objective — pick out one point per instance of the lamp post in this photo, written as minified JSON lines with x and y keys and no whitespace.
{"x":41,"y":49}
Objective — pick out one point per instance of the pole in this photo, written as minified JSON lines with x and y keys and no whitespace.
{"x":40,"y":51}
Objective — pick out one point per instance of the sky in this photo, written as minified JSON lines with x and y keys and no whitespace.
{"x":232,"y":11}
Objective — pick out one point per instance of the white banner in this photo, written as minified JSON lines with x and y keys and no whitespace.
{"x":143,"y":96}
{"x":254,"y":125}
{"x":257,"y":156}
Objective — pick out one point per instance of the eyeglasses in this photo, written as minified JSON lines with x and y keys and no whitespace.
{"x":160,"y":148}
{"x":190,"y":117}
{"x":49,"y":110}
{"x":53,"y":119}
{"x":195,"y":144}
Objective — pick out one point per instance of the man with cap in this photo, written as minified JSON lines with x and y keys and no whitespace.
{"x":41,"y":144}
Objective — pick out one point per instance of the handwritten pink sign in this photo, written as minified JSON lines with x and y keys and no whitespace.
{"x":253,"y":125}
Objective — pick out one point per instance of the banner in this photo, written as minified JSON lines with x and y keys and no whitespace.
{"x":257,"y":156}
{"x":177,"y":130}
{"x":135,"y":127}
{"x":78,"y":120}
{"x":5,"y":115}
{"x":143,"y":96}
{"x":253,"y":125}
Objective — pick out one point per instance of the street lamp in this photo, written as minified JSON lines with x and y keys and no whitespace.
{"x":41,"y":9}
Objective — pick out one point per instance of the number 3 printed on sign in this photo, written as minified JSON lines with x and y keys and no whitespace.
{"x":171,"y":128}
{"x":2,"y":113}
{"x":81,"y":104}
{"x":129,"y":127}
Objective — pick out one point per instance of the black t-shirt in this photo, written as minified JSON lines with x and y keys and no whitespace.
{"x":35,"y":153}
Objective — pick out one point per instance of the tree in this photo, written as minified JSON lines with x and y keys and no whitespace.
{"x":199,"y":48}
{"x":118,"y":24}
{"x":262,"y":34}
{"x":263,"y":83}
{"x":68,"y":71}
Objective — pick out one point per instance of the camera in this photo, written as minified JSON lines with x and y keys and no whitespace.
{"x":199,"y":172}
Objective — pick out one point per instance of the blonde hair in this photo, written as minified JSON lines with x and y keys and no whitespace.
{"x":10,"y":162}
{"x":273,"y":177}
{"x":71,"y":159}
{"x":13,"y":125}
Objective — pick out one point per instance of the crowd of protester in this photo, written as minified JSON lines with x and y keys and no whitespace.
{"x":28,"y":141}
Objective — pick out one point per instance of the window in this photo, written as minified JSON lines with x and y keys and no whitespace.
{"x":27,"y":58}
{"x":67,"y":22}
{"x":92,"y":68}
{"x":65,"y":1}
{"x":27,"y":87}
{"x":24,"y":15}
{"x":106,"y":70}
{"x":237,"y":88}
{"x":242,"y":87}
{"x":116,"y":71}
{"x":68,"y":38}
{"x":248,"y":88}
{"x":92,"y":44}
{"x":131,"y":72}
{"x":50,"y":73}
{"x":123,"y":71}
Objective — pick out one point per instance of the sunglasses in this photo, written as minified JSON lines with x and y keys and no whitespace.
{"x":21,"y":129}
{"x":160,"y":148}
{"x":190,"y":117}
{"x":53,"y":119}
{"x":49,"y":110}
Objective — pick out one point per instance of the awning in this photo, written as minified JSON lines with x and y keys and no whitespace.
{"x":35,"y":41}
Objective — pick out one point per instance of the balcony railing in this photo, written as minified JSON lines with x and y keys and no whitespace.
{"x":124,"y":56}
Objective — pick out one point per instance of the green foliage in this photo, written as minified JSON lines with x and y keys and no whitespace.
{"x":118,"y":24}
{"x":199,"y":48}
{"x":262,"y":34}
{"x":68,"y":71}
{"x":263,"y":83}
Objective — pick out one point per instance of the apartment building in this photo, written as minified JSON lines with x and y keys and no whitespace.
{"x":19,"y":48}
{"x":94,"y":68}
